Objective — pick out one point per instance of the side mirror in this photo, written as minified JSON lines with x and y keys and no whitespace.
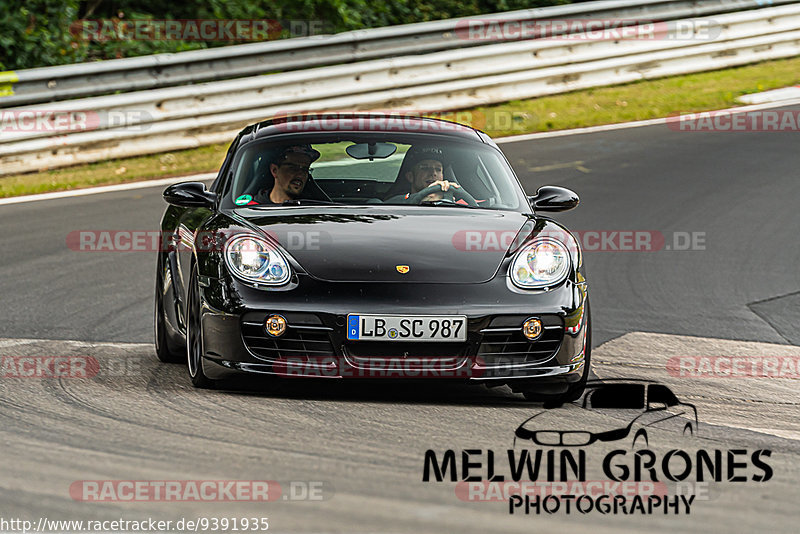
{"x":554,"y":198}
{"x":190,"y":195}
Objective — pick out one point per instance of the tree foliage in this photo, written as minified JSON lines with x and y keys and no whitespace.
{"x":36,"y":33}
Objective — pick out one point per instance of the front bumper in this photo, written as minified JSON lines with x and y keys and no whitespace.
{"x":315,"y":343}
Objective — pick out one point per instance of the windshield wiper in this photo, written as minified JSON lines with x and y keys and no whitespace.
{"x":443,"y":202}
{"x":301,"y":201}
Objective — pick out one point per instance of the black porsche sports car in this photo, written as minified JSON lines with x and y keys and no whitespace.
{"x":372,"y":246}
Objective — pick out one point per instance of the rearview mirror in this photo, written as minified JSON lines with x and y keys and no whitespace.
{"x":554,"y":198}
{"x":371,"y":150}
{"x":190,"y":195}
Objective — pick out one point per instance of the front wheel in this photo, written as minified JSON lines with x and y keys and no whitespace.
{"x":194,"y":336}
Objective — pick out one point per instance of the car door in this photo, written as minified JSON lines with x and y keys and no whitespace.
{"x":665,"y":411}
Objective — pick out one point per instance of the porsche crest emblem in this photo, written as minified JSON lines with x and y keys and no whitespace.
{"x":403,"y":269}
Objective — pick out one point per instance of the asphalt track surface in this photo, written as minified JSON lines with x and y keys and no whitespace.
{"x":141,"y":420}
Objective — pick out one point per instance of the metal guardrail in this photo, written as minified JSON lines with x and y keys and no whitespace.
{"x":408,"y":77}
{"x":33,"y":86}
{"x":188,"y":116}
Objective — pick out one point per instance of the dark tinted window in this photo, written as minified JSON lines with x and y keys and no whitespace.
{"x":657,"y":393}
{"x":622,"y":396}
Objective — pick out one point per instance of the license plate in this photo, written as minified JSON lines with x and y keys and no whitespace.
{"x":407,"y":327}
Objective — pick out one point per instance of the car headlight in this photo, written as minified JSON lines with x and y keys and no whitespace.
{"x":543,"y":263}
{"x":254,"y":260}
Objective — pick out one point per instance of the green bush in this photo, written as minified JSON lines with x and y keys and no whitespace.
{"x":36,"y":33}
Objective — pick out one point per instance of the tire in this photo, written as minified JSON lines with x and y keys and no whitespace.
{"x":194,"y":336}
{"x":163,"y":351}
{"x":574,"y":391}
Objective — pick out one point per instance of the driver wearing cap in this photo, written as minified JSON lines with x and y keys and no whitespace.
{"x":290,"y":169}
{"x":426,"y":176}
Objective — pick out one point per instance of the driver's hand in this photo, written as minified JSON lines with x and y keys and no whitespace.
{"x":444,"y":184}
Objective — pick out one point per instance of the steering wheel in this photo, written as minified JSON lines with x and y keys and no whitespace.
{"x":453,"y":194}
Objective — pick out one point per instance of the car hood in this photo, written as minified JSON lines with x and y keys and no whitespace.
{"x":437,"y":245}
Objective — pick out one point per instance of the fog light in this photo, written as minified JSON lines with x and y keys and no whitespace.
{"x":275,"y":325}
{"x":532,"y":328}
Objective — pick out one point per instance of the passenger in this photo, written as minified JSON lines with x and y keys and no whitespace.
{"x":290,"y":170}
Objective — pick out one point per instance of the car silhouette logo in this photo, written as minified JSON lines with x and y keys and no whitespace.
{"x":649,"y":405}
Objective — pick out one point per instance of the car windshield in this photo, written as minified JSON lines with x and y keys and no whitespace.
{"x":363,"y":169}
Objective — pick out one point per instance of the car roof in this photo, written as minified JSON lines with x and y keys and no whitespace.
{"x":360,"y":123}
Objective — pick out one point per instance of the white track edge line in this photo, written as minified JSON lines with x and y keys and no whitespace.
{"x":106,"y":188}
{"x":638,"y":124}
{"x":502,"y":140}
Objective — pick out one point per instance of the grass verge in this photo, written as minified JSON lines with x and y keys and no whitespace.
{"x":590,"y":107}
